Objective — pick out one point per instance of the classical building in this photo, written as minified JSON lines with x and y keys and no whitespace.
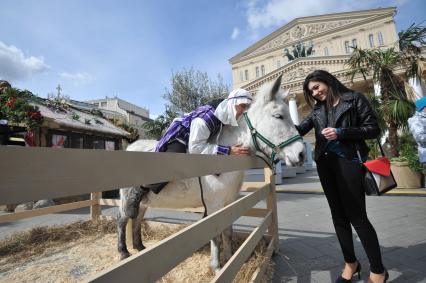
{"x":124,"y":111}
{"x":331,"y":36}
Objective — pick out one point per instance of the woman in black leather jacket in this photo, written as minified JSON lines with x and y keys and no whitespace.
{"x":343,"y":120}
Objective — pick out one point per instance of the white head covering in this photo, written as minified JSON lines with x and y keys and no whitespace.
{"x":226,"y":112}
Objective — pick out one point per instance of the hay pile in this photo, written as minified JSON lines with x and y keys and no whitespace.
{"x":74,"y":252}
{"x":35,"y":241}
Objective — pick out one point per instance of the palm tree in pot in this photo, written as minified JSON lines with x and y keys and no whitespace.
{"x":394,"y":105}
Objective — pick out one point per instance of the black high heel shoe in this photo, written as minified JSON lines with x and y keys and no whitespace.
{"x":340,"y":279}
{"x":386,"y":276}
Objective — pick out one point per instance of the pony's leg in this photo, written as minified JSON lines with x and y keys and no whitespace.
{"x":227,"y":243}
{"x":136,"y":227}
{"x":215,"y":253}
{"x":215,"y":242}
{"x":121,"y":230}
{"x":130,"y":201}
{"x":129,"y":208}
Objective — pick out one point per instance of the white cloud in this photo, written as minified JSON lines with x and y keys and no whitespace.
{"x":76,"y":78}
{"x":15,"y":66}
{"x":235,"y":33}
{"x":275,"y":13}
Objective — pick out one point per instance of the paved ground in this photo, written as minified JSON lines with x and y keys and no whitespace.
{"x":309,"y":183}
{"x":309,"y":251}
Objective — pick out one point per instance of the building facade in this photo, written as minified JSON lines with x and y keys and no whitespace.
{"x":124,"y":111}
{"x":331,"y":36}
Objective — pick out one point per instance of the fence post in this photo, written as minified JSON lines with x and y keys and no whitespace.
{"x":271,"y":204}
{"x":95,"y":209}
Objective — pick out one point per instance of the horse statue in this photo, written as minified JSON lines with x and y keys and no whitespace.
{"x":266,"y":127}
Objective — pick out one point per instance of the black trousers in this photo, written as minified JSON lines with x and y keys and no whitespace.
{"x":174,"y":146}
{"x":341,"y":180}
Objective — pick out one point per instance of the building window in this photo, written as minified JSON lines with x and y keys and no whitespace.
{"x":326,"y":51}
{"x":380,"y":38}
{"x":246,"y":76}
{"x":241,"y":76}
{"x":103,"y":104}
{"x":76,"y":141}
{"x":371,"y":40}
{"x":257,"y":72}
{"x":354,"y":43}
{"x":59,"y":141}
{"x":312,"y":53}
{"x":278,"y":64}
{"x":262,"y":68}
{"x":109,"y":145}
{"x":98,"y":143}
{"x":347,"y":49}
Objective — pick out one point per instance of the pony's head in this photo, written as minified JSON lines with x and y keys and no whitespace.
{"x":270,"y":116}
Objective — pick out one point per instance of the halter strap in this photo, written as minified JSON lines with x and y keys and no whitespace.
{"x":255,"y":135}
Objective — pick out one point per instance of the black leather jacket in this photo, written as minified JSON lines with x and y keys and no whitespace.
{"x":353,"y":115}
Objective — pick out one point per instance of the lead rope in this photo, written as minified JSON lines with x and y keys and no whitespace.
{"x":202,"y":198}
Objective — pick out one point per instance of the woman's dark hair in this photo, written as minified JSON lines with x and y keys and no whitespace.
{"x":335,"y":87}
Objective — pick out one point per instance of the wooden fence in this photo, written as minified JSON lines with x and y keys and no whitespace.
{"x":28,"y":174}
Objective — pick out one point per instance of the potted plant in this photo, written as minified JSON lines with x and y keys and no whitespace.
{"x":406,"y":167}
{"x":393,"y":105}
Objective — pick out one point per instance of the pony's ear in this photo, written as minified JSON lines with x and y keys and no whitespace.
{"x":276,"y":87}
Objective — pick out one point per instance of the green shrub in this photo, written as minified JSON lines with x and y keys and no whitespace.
{"x":408,"y":152}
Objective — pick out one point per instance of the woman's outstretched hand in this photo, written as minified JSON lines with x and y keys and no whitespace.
{"x":238,"y":149}
{"x":329,"y":133}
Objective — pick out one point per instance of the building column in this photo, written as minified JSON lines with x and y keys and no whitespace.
{"x":309,"y":160}
{"x":293,"y":109}
{"x":377,"y":93}
{"x":377,"y":89}
{"x":415,"y":83}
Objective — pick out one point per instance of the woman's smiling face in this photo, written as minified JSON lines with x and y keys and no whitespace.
{"x":318,"y":90}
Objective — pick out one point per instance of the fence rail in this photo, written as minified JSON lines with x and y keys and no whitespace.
{"x":38,"y":173}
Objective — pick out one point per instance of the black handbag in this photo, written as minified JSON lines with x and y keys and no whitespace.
{"x":381,"y":180}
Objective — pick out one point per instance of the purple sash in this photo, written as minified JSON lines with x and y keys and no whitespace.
{"x":179,"y":129}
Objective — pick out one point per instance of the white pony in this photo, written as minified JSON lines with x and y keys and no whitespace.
{"x":270,"y":116}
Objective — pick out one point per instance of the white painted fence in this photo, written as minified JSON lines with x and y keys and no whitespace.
{"x":28,"y":174}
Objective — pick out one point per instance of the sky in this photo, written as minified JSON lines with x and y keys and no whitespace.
{"x":130,"y":49}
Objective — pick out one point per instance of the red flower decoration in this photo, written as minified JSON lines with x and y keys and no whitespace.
{"x":35,"y":114}
{"x":11,"y":101}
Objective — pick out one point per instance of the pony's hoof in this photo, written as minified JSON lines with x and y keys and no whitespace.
{"x":139,"y":247}
{"x":215,"y":269}
{"x":124,"y":255}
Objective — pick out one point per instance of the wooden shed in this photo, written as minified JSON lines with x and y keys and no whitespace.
{"x":66,"y":125}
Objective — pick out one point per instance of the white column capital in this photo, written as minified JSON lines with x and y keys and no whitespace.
{"x":292,"y":96}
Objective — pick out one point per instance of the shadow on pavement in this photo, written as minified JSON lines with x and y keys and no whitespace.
{"x":317,"y":258}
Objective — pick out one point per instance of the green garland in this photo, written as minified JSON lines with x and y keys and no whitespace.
{"x":134,"y":134}
{"x":15,"y":107}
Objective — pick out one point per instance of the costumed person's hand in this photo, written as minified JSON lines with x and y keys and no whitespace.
{"x":238,"y":149}
{"x":329,"y":133}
